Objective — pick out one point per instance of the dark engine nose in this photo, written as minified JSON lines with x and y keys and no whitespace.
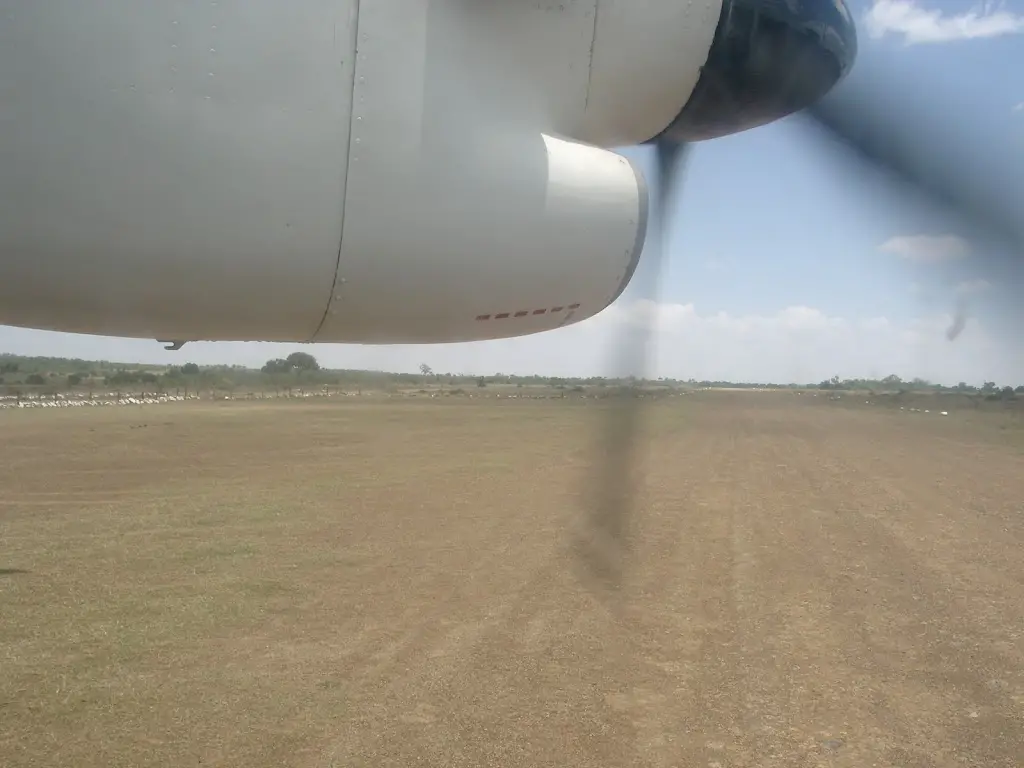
{"x":769,"y":59}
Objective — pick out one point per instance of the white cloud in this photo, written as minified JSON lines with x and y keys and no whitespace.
{"x":927,"y":249}
{"x":797,"y":343}
{"x":1019,"y":107}
{"x":918,"y":24}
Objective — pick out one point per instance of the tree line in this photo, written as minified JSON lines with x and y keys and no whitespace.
{"x":301,"y":369}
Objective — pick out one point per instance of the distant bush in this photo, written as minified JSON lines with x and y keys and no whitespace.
{"x":277,"y":365}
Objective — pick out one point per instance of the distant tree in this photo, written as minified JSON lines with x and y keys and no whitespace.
{"x":35,"y":379}
{"x":74,"y":379}
{"x":1007,"y":393}
{"x":481,"y":382}
{"x":426,"y":370}
{"x":302,"y":361}
{"x":277,"y":366}
{"x":190,"y":369}
{"x":988,"y":387}
{"x":1019,"y":390}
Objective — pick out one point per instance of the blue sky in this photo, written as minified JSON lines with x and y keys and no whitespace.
{"x":783,"y":264}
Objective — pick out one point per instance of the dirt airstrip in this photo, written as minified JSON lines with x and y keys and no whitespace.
{"x":390,"y":583}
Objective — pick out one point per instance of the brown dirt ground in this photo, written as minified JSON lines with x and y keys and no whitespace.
{"x":389,"y":584}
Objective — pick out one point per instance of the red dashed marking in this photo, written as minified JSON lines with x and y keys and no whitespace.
{"x":525,"y":312}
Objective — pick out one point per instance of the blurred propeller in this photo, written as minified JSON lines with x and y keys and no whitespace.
{"x":604,"y":545}
{"x":770,"y":59}
{"x":918,"y":146}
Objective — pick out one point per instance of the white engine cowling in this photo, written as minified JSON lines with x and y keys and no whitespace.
{"x":543,"y":233}
{"x":244,"y":171}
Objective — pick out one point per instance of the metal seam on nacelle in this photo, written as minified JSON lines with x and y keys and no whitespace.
{"x":590,"y":58}
{"x":352,"y":123}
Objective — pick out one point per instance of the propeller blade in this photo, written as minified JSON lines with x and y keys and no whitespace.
{"x":604,"y":544}
{"x":919,"y":146}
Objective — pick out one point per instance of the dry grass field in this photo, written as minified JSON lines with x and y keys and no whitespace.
{"x":389,"y":583}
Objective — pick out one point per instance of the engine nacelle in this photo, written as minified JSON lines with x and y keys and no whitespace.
{"x":354,"y":172}
{"x":531,"y":234}
{"x":378,"y":172}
